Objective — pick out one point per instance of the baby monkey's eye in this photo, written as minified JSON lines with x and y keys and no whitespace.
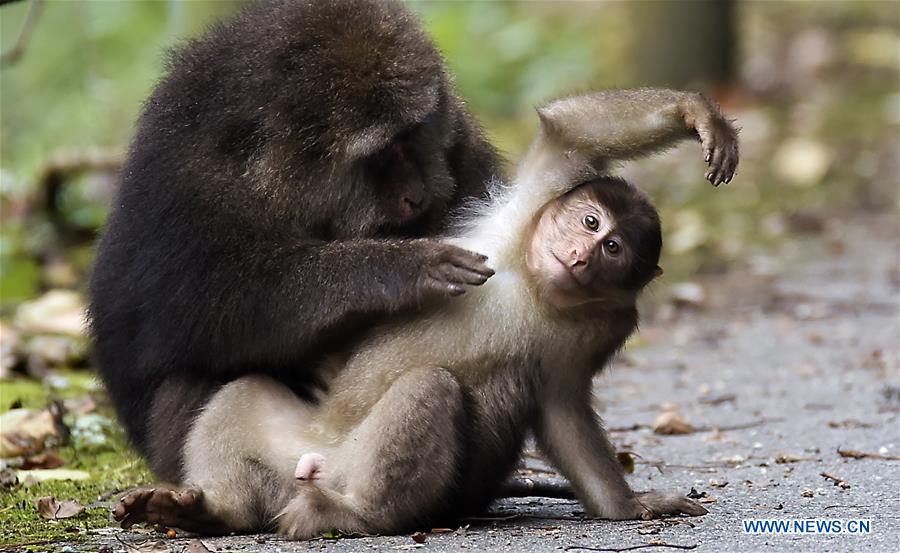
{"x":612,"y":247}
{"x":591,"y":222}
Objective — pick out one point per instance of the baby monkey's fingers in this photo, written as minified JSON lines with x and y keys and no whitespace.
{"x":720,"y":148}
{"x":655,"y":504}
{"x":718,"y":138}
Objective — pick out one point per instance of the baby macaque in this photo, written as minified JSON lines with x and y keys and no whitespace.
{"x":426,"y":419}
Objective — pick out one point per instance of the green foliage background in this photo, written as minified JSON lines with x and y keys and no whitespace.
{"x":90,"y":63}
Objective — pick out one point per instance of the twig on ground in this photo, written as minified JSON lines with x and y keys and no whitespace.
{"x":712,"y":428}
{"x":741,"y":426}
{"x":632,"y":547}
{"x":837,"y":480}
{"x":854,"y":454}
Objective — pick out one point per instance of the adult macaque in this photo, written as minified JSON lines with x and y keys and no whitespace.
{"x":273,"y":205}
{"x":426,"y":418}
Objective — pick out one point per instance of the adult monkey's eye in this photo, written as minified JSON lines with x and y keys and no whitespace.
{"x":591,"y":222}
{"x":612,"y":247}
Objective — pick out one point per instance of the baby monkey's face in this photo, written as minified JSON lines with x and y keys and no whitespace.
{"x":579,"y":253}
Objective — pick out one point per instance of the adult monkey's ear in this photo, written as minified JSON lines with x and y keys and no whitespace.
{"x":658,"y":272}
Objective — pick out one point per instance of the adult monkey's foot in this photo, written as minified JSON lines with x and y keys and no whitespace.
{"x":168,"y":506}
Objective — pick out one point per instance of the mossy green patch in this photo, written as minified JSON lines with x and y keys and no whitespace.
{"x":113,"y":466}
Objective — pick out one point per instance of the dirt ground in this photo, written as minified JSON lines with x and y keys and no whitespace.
{"x":779,"y":368}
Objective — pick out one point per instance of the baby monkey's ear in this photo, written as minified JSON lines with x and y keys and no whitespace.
{"x":658,"y":272}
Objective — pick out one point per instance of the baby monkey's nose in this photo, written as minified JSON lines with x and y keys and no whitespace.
{"x":579,"y":258}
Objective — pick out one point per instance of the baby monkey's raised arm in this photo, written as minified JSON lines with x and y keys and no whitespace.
{"x":601,"y":127}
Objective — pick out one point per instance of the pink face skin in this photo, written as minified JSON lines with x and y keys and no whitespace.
{"x":573,"y":244}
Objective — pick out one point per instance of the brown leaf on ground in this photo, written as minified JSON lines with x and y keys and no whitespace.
{"x":56,"y":312}
{"x":670,"y":423}
{"x":419,"y":537}
{"x":46,"y":460}
{"x":26,"y":432}
{"x":51,"y":509}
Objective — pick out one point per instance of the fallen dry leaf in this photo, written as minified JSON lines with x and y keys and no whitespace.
{"x":51,"y":509}
{"x":419,"y":537}
{"x":46,"y":460}
{"x":26,"y":432}
{"x":670,"y":423}
{"x":56,"y":312}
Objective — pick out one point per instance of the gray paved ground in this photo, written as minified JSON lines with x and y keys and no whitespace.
{"x":803,"y":350}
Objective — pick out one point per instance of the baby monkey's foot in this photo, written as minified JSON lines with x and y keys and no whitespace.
{"x":309,"y":467}
{"x":655,"y":504}
{"x":169,"y":507}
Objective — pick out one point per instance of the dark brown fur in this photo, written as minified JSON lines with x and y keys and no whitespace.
{"x":266,"y":210}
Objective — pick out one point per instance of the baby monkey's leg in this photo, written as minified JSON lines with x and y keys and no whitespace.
{"x":392,"y":470}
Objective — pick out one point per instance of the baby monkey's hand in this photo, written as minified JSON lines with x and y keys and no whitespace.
{"x":718,"y":137}
{"x":447,"y":269}
{"x":655,"y":504}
